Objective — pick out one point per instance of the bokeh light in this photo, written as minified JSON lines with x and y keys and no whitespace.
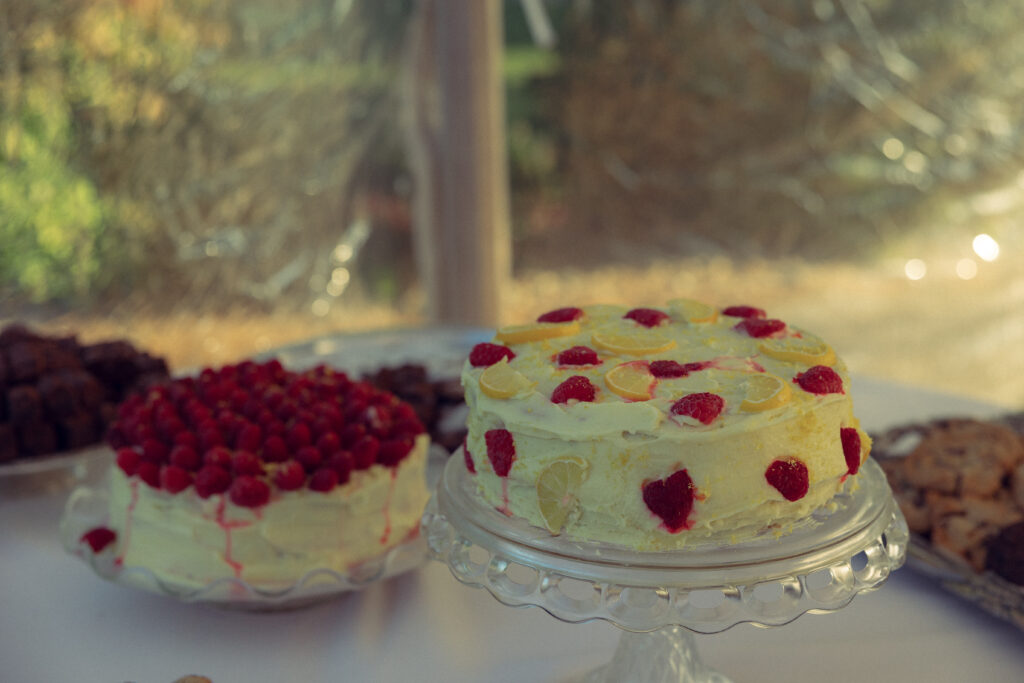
{"x":966,"y":269}
{"x":985,"y":247}
{"x":915,"y":269}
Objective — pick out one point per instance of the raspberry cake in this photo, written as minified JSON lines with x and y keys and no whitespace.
{"x":262,"y":474}
{"x":659,"y":427}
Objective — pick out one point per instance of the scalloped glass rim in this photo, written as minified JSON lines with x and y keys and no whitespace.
{"x":86,"y":509}
{"x":706,"y":589}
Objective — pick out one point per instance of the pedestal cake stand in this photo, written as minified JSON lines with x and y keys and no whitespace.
{"x":660,"y":598}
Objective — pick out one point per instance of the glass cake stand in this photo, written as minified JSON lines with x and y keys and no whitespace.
{"x":660,"y":598}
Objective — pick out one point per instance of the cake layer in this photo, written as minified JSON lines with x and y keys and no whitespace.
{"x":189,"y":540}
{"x":654,"y":428}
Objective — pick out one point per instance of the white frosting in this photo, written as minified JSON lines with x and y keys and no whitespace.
{"x":187,"y":540}
{"x":626,"y":444}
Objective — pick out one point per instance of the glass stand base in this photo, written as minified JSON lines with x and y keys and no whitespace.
{"x":668,"y":655}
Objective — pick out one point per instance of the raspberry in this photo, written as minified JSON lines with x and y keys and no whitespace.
{"x":394,"y":451}
{"x":249,"y":492}
{"x":342,"y":463}
{"x":98,"y":538}
{"x":186,"y":438}
{"x":290,"y":476}
{"x":364,"y":452}
{"x":578,"y":355}
{"x":744,"y":312}
{"x":309,"y":457}
{"x":789,"y":477}
{"x":757,"y":328}
{"x":184,"y":457}
{"x":298,"y":435}
{"x":212,"y":479}
{"x":351,"y":433}
{"x":671,"y":499}
{"x":467,"y":457}
{"x":328,"y":444}
{"x":561,"y":315}
{"x":820,"y":379}
{"x":174,"y":479}
{"x":149,"y":472}
{"x":244,"y":462}
{"x":323,"y":480}
{"x":249,"y":437}
{"x":275,"y":449}
{"x":648,"y":317}
{"x":218,"y":455}
{"x":576,"y":387}
{"x":703,"y":406}
{"x":850,"y":439}
{"x":670,"y":369}
{"x":128,"y":460}
{"x":486,"y":354}
{"x":154,"y":451}
{"x":501,"y":450}
{"x":210,"y":437}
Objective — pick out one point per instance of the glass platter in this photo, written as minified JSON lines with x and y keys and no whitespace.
{"x":660,"y":598}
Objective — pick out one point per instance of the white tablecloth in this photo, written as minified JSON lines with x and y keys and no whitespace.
{"x":59,"y":622}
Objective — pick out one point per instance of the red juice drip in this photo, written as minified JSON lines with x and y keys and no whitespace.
{"x":228,"y":527}
{"x":504,"y":509}
{"x":127,"y":532}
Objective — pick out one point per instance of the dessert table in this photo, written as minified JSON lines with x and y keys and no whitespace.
{"x":60,"y":622}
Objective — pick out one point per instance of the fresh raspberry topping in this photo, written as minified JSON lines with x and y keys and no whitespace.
{"x":850,"y":439}
{"x":757,"y":327}
{"x":299,"y":435}
{"x":98,"y":538}
{"x":703,"y":406}
{"x":578,"y":355}
{"x":185,"y":457}
{"x":744,"y":312}
{"x":186,"y":438}
{"x":576,"y":387}
{"x":669,"y":369}
{"x":789,"y":477}
{"x":820,"y":379}
{"x":128,"y":460}
{"x":323,"y":480}
{"x":342,"y":463}
{"x":290,"y":476}
{"x":218,"y":455}
{"x":309,"y":457}
{"x":467,"y":457}
{"x":364,"y":452}
{"x":394,"y":451}
{"x":328,"y":444}
{"x":561,"y":315}
{"x":154,"y":451}
{"x":244,"y":462}
{"x":648,"y":317}
{"x":174,"y":479}
{"x":249,"y":492}
{"x":501,"y":450}
{"x":486,"y":354}
{"x":212,"y":479}
{"x":249,"y":438}
{"x":275,"y":449}
{"x":671,"y":499}
{"x":149,"y":472}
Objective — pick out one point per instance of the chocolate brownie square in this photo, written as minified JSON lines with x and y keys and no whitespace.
{"x":8,"y":443}
{"x":37,"y":438}
{"x":57,"y":394}
{"x":77,"y":431}
{"x":24,"y":404}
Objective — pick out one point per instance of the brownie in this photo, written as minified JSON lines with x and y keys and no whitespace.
{"x":77,"y":431}
{"x":8,"y":443}
{"x":26,"y":362}
{"x":37,"y":438}
{"x":24,"y":404}
{"x":58,"y":395}
{"x":1006,"y":554}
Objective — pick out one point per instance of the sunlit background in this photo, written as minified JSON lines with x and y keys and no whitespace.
{"x":215,"y":178}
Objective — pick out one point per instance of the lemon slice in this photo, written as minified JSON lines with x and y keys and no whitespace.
{"x":502,"y":381}
{"x":764,"y":392}
{"x":517,"y":334}
{"x":694,"y":311}
{"x":806,"y":350}
{"x":641,"y":342}
{"x":631,"y":380}
{"x":557,"y":487}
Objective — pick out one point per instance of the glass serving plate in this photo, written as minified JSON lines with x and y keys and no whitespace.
{"x":86,"y":509}
{"x":659,"y":598}
{"x":56,"y":472}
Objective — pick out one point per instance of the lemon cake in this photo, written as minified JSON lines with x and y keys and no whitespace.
{"x":261,"y":474}
{"x":659,"y":427}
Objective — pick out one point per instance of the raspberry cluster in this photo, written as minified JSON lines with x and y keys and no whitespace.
{"x":248,"y":428}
